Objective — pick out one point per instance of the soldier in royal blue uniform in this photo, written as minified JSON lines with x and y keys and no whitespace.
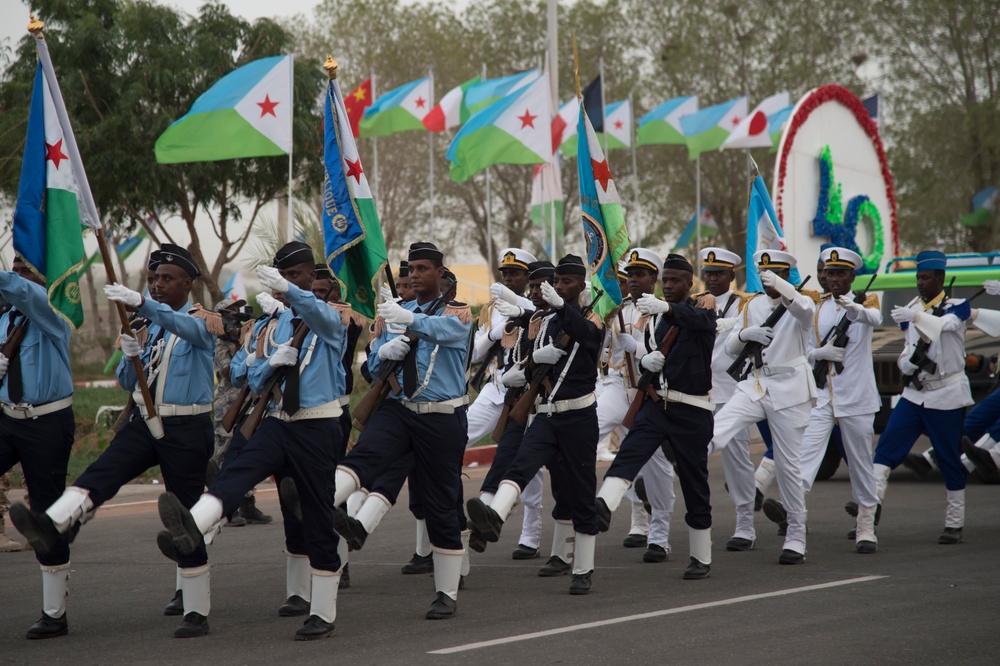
{"x":36,"y":424}
{"x":565,"y":420}
{"x":178,"y":361}
{"x":683,"y":415}
{"x":427,"y":417}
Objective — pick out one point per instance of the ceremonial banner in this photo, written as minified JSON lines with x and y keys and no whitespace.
{"x":709,"y":228}
{"x":547,"y":203}
{"x":398,"y":110}
{"x":763,"y":232}
{"x":483,"y":94}
{"x":662,"y":125}
{"x":707,"y":129}
{"x":452,"y":110}
{"x":753,"y":131}
{"x":356,"y":102}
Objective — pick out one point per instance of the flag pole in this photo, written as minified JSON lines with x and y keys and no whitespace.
{"x":35,"y":28}
{"x":430,"y":147}
{"x":697,"y":213}
{"x":489,"y":214}
{"x":552,"y":20}
{"x":635,"y":172}
{"x":604,"y":109}
{"x":283,"y":231}
{"x":374,"y":149}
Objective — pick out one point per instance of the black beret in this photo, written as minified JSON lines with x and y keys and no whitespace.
{"x":404,"y":269}
{"x":678,"y":262}
{"x":571,"y":265}
{"x":155,"y":259}
{"x":180,"y":257}
{"x":293,"y":254}
{"x":426,"y":251}
{"x":540,"y":269}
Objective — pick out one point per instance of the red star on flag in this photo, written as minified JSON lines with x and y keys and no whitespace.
{"x":527,"y":120}
{"x":420,"y":102}
{"x":53,"y":151}
{"x":619,"y":124}
{"x":354,"y":169}
{"x":602,"y":174}
{"x":735,"y":121}
{"x":267,"y":107}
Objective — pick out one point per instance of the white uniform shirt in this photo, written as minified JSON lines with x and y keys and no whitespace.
{"x":487,"y":336}
{"x":949,"y":354}
{"x":853,"y":393}
{"x":613,"y":355}
{"x":723,"y":386}
{"x":787,"y":349}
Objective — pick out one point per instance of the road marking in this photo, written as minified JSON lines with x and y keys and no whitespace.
{"x":646,"y":616}
{"x":144,"y":502}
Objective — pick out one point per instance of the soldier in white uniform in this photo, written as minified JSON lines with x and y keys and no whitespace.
{"x":781,"y":390}
{"x":936,"y":389}
{"x":847,"y":394}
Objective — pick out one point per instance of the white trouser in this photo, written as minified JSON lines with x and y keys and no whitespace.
{"x":658,"y":478}
{"x":484,"y":413}
{"x":612,"y":404}
{"x":858,"y":434}
{"x":531,"y":498}
{"x":788,"y":425}
{"x":739,"y":473}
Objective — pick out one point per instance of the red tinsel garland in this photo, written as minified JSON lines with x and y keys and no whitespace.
{"x":847,"y":98}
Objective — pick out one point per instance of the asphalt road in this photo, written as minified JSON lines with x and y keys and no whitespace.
{"x":913,"y":601}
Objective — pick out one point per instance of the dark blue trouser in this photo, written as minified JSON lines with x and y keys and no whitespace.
{"x":571,"y":439}
{"x":944,"y":427}
{"x":984,"y":418}
{"x":42,"y":446}
{"x":505,"y":454}
{"x":437,"y":443}
{"x":306,"y":451}
{"x":689,"y":430}
{"x":182,"y":455}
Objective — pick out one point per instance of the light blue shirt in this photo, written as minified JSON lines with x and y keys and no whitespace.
{"x":323,"y":378}
{"x":44,"y":353}
{"x":442,"y":341}
{"x":190,"y":376}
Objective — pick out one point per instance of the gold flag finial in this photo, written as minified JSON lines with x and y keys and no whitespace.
{"x":35,"y":27}
{"x":331,"y":67}
{"x":576,"y":68}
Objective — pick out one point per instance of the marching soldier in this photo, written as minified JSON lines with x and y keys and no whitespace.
{"x":565,"y":421}
{"x":682,"y":415}
{"x":299,"y":437}
{"x":427,"y":417}
{"x":178,"y":363}
{"x":403,"y":283}
{"x":36,"y":424}
{"x":936,"y":389}
{"x":781,"y":390}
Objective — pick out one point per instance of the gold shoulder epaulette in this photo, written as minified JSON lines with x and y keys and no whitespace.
{"x":460,"y":310}
{"x":814,"y":295}
{"x":378,"y":327}
{"x":596,"y":319}
{"x":746,"y":298}
{"x":705,"y":301}
{"x":347,"y":313}
{"x":247,"y":330}
{"x":486,"y":314}
{"x":510,"y":334}
{"x":872,"y":302}
{"x":698,"y":295}
{"x":212,"y":319}
{"x":535,"y":324}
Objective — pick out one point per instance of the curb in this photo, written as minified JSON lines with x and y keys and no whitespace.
{"x":481,"y":455}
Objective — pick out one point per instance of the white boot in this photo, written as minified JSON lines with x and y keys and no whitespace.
{"x":55,"y":589}
{"x":324,"y":586}
{"x":297,"y":576}
{"x":955,"y":512}
{"x":344,"y":553}
{"x":486,"y":498}
{"x":563,"y":541}
{"x":371,"y":512}
{"x":986,"y":442}
{"x":196,"y":589}
{"x":345,"y":482}
{"x":423,"y":539}
{"x":73,"y":506}
{"x":206,"y":512}
{"x":466,"y":565}
{"x":764,"y":476}
{"x":505,"y":499}
{"x":865,"y":528}
{"x":612,"y":491}
{"x":583,"y":560}
{"x":701,"y":544}
{"x":355,"y":501}
{"x":215,"y":530}
{"x":881,"y":481}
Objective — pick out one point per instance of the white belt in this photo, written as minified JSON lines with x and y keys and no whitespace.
{"x":560,"y":406}
{"x":329,"y":410}
{"x":165,"y":411}
{"x":701,"y":401}
{"x":948,"y":380}
{"x":443,"y":407}
{"x":771,"y":370}
{"x":343,"y":400}
{"x":34,"y":411}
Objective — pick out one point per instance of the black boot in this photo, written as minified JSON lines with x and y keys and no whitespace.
{"x":193,"y":626}
{"x":345,"y":578}
{"x":350,"y":529}
{"x":48,"y":627}
{"x":523,"y":552}
{"x":486,"y":520}
{"x":419,"y":564}
{"x":442,"y":608}
{"x":697,"y":570}
{"x":603,"y":515}
{"x":176,"y":605}
{"x":315,"y":627}
{"x":776,"y":513}
{"x":580,"y":583}
{"x":950,"y":536}
{"x":294,"y":606}
{"x":251,"y":514}
{"x":180,"y":524}
{"x":634,"y":541}
{"x":36,"y":527}
{"x":554,"y":567}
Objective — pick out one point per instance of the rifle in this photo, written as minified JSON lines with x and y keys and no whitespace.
{"x":740,"y":368}
{"x":539,"y":373}
{"x":645,"y":384}
{"x":840,"y":339}
{"x":130,"y":403}
{"x":628,"y":357}
{"x":920,"y":357}
{"x":244,"y":400}
{"x":386,"y":379}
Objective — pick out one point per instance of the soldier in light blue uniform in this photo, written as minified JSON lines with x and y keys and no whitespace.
{"x":299,"y":438}
{"x":427,"y":417}
{"x":177,"y":358}
{"x":36,"y":424}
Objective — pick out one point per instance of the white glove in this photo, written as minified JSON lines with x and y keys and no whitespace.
{"x":847,"y":302}
{"x":271,"y":278}
{"x":284,"y":355}
{"x":130,"y":349}
{"x":394,"y":350}
{"x":394,"y":313}
{"x":829,"y":353}
{"x":653,"y":361}
{"x":651,"y":305}
{"x":269,"y":304}
{"x":4,"y":363}
{"x":900,"y":314}
{"x":514,"y":378}
{"x":508,"y":310}
{"x":783,"y":287}
{"x":501,"y":292}
{"x":551,"y":297}
{"x":120,"y":294}
{"x":723,"y":324}
{"x":992,"y":287}
{"x":757,"y":334}
{"x":387,"y":294}
{"x":628,"y":343}
{"x":904,"y":364}
{"x":548,"y":355}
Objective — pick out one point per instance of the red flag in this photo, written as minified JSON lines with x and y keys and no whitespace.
{"x":356,"y":103}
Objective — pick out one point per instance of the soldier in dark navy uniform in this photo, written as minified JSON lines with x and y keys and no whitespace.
{"x":683,"y":413}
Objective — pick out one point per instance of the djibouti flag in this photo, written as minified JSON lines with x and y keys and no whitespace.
{"x":52,"y":196}
{"x":603,"y":218}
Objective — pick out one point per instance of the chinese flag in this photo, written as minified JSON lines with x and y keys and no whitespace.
{"x":356,"y":103}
